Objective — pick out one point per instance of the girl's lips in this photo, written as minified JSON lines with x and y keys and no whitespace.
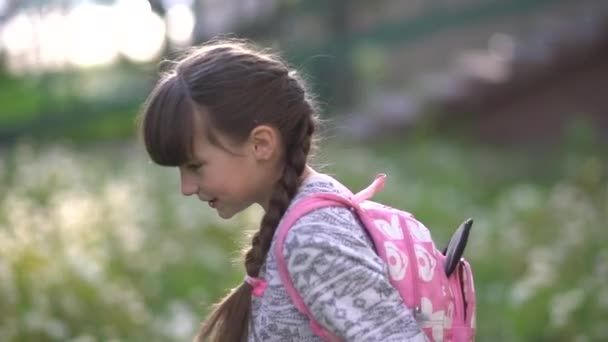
{"x":213,"y":203}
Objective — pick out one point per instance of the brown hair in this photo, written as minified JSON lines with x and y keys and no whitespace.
{"x":239,"y":87}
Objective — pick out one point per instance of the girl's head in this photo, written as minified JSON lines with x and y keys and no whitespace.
{"x":238,"y":124}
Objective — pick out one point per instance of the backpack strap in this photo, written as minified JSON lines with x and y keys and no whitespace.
{"x":301,"y":208}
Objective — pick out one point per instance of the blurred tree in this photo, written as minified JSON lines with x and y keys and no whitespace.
{"x":341,"y":75}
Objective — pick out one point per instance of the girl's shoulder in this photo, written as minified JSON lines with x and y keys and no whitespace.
{"x":318,"y":183}
{"x":335,"y":216}
{"x":328,"y":228}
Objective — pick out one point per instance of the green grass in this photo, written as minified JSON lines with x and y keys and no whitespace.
{"x":96,"y":243}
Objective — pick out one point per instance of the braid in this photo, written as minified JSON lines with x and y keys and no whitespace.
{"x":293,"y":113}
{"x":284,"y":191}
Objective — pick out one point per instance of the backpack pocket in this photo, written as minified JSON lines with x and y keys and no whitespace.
{"x":461,"y":285}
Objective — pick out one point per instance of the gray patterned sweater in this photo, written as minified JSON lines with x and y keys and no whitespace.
{"x":332,"y":263}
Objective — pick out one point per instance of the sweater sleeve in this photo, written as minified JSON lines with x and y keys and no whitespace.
{"x":343,"y":282}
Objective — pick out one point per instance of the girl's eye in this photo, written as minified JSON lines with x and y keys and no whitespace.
{"x":194,"y":167}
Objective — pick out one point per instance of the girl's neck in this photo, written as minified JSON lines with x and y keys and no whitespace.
{"x":308,"y":172}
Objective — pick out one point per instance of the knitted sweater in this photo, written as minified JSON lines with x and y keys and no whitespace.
{"x":336,"y":271}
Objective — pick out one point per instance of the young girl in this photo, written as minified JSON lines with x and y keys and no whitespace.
{"x":239,"y":126}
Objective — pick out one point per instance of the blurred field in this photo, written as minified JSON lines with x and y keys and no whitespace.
{"x":97,"y":244}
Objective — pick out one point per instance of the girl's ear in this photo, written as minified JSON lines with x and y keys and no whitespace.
{"x":265,"y":142}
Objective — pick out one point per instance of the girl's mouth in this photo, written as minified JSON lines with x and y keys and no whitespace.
{"x":213,"y":203}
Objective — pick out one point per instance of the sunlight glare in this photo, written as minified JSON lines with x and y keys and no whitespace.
{"x":180,"y":24}
{"x":53,"y":47}
{"x":18,"y":37}
{"x":140,"y":32}
{"x":18,"y":34}
{"x":90,"y":41}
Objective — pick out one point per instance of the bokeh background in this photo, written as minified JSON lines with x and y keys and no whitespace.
{"x":491,"y":109}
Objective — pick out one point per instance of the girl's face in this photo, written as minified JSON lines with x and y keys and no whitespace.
{"x":230,"y":179}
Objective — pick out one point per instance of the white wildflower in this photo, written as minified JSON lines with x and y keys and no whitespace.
{"x":181,"y":321}
{"x":76,"y":214}
{"x":120,"y":198}
{"x":564,"y":304}
{"x":83,"y":263}
{"x":541,"y":273}
{"x":524,"y":197}
{"x":39,"y":321}
{"x":84,"y":338}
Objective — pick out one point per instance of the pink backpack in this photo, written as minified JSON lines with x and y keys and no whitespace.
{"x":438,"y":285}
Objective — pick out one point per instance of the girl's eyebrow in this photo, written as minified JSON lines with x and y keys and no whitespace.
{"x":195,"y":161}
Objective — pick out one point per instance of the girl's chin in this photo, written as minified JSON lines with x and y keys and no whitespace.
{"x":224,"y":212}
{"x":225,"y":215}
{"x":227,"y":212}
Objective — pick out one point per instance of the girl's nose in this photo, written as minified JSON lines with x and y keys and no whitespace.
{"x":188,"y":186}
{"x":189,"y":189}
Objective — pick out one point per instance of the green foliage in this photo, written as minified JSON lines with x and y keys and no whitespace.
{"x":18,"y":100}
{"x":92,"y":104}
{"x":97,"y":244}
